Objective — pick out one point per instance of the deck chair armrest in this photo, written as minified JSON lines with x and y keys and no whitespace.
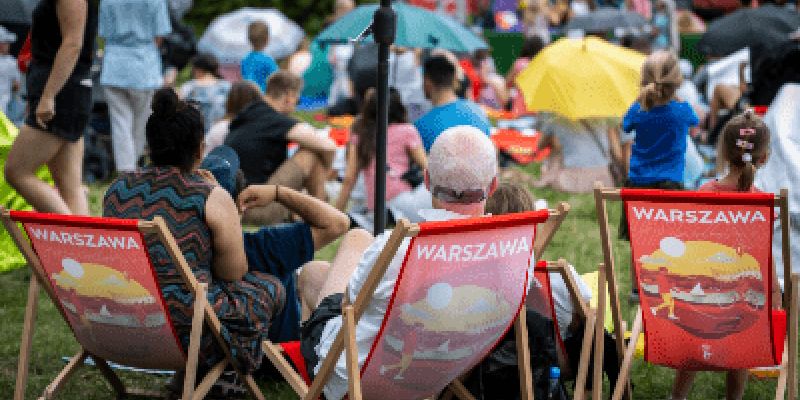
{"x":547,"y":230}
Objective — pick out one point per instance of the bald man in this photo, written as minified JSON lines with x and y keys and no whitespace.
{"x":461,"y":175}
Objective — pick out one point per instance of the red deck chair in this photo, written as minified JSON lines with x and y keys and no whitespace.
{"x":540,"y":299}
{"x":703,"y":265}
{"x":461,"y":287}
{"x":98,"y":273}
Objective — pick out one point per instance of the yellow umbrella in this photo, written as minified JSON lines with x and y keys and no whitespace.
{"x":582,"y":78}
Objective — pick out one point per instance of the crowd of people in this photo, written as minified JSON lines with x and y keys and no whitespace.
{"x":221,"y":155}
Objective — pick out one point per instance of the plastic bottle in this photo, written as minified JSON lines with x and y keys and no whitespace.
{"x":553,"y":389}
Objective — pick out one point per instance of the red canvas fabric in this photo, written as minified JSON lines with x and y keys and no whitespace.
{"x":703,"y":262}
{"x":460,"y":287}
{"x":540,"y":299}
{"x":105,"y":287}
{"x":292,"y":350}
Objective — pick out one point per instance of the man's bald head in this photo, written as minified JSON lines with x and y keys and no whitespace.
{"x":461,"y":159}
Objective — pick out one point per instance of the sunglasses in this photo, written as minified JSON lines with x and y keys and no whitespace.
{"x":469,"y":196}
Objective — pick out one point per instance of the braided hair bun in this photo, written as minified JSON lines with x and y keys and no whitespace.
{"x":175,"y":131}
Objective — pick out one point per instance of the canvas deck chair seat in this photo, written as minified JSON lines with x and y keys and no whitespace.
{"x":540,"y":299}
{"x":709,"y":297}
{"x":98,"y":273}
{"x":461,"y":287}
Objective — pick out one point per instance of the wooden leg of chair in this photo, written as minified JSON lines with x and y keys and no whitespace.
{"x":586,"y":351}
{"x":599,"y":336}
{"x":27,"y":339}
{"x":780,"y":389}
{"x":73,"y":364}
{"x":351,"y":351}
{"x":275,"y":355}
{"x":208,"y":381}
{"x":194,"y":342}
{"x":110,"y":375}
{"x":252,"y":387}
{"x":523,"y":356}
{"x":792,"y":367}
{"x":460,"y":391}
{"x":622,"y":381}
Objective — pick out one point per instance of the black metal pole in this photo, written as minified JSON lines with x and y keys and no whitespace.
{"x":383,"y":32}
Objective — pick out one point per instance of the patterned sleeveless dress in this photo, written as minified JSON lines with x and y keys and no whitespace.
{"x":245,"y":308}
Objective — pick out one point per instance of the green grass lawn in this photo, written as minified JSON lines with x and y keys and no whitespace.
{"x":577,"y":241}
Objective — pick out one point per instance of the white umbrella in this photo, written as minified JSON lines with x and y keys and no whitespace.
{"x":226,"y":36}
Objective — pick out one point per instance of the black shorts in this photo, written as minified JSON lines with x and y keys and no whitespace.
{"x":311,"y":331}
{"x":73,"y":103}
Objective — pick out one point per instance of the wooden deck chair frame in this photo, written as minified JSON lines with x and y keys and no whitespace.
{"x":588,"y":314}
{"x":345,"y":340}
{"x":203,"y":314}
{"x":607,"y":275}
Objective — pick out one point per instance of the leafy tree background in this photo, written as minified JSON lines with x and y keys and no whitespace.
{"x":309,"y":14}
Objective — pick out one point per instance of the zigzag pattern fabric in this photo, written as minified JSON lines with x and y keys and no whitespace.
{"x":245,"y":307}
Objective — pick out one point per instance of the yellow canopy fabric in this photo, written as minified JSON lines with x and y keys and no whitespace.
{"x":582,"y":78}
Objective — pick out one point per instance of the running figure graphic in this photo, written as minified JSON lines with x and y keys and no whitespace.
{"x":666,"y":295}
{"x":409,"y":347}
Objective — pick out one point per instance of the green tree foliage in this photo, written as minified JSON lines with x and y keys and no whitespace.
{"x":310,"y":14}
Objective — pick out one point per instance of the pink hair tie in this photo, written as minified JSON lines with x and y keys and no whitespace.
{"x":744,"y":144}
{"x":747,"y":132}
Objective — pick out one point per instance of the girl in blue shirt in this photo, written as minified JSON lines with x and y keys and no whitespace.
{"x":661,"y":124}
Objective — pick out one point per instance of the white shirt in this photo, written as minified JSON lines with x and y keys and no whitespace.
{"x":370,"y":321}
{"x":782,"y":169}
{"x":562,"y":299}
{"x":216,"y":134}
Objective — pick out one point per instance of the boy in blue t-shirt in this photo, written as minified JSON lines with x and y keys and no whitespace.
{"x":448,"y":110}
{"x":258,"y":66}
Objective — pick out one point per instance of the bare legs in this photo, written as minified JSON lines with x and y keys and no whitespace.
{"x":735,"y":384}
{"x":34,"y":148}
{"x":309,"y":284}
{"x":314,"y":170}
{"x":321,"y":279}
{"x":723,"y":98}
{"x":303,"y":170}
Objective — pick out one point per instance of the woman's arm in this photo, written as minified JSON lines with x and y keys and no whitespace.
{"x":72,"y":23}
{"x":222,"y":217}
{"x":417,"y":155}
{"x":350,"y":177}
{"x":327,"y":223}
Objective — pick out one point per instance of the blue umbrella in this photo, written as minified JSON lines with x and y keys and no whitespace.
{"x":416,"y":27}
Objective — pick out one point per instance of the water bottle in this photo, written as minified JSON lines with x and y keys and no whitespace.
{"x":553,"y":389}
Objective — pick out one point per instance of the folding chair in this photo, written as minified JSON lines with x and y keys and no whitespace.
{"x":540,"y":299}
{"x":460,"y":288}
{"x":703,"y":265}
{"x":98,"y":273}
